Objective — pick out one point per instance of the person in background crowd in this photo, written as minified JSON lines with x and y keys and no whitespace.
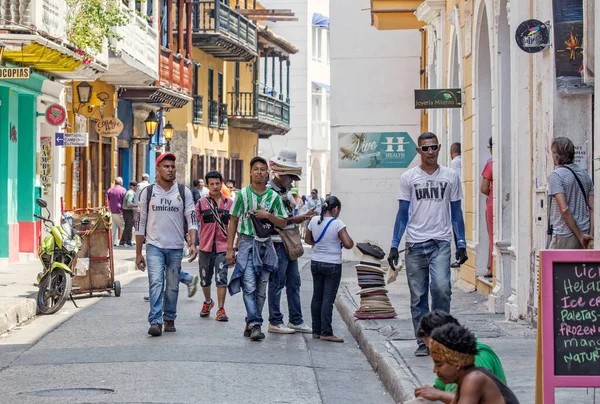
{"x":327,"y":234}
{"x":456,"y":159}
{"x":256,"y":258}
{"x":286,"y":170}
{"x":161,"y":223}
{"x":429,"y":209}
{"x":487,"y":188}
{"x":213,"y":217}
{"x":298,"y":204}
{"x":129,"y":208}
{"x":202,"y":188}
{"x":115,"y":195}
{"x":485,"y":357}
{"x":456,"y":165}
{"x":571,"y":193}
{"x":453,"y":350}
{"x":314,"y":202}
{"x":196,"y":191}
{"x":141,"y":185}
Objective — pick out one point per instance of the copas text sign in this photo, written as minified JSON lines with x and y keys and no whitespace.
{"x":109,"y":127}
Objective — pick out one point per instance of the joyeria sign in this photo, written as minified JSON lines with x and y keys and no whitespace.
{"x":55,"y":115}
{"x":109,"y":127}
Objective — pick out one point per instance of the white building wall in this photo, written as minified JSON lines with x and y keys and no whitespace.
{"x":373,"y":80}
{"x":303,"y":71}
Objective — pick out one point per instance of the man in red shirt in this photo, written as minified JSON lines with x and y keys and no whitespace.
{"x":213,"y":215}
{"x":487,"y":188}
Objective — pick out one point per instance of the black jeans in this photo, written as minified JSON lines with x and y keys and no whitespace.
{"x":127,"y":233}
{"x":326,"y":281}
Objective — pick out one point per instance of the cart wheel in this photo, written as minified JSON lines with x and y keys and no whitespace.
{"x":117,"y":286}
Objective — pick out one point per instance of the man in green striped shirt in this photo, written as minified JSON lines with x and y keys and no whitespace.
{"x":256,"y":258}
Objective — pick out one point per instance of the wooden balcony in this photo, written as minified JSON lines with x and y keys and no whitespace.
{"x":264,"y":114}
{"x":174,"y":87}
{"x":221,"y":31}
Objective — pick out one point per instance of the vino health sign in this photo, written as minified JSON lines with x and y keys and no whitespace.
{"x":376,"y":150}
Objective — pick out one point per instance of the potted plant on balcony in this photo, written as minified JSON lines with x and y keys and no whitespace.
{"x":91,"y":22}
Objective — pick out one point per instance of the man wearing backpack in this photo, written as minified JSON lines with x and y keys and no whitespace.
{"x":165,"y":209}
{"x":571,"y":193}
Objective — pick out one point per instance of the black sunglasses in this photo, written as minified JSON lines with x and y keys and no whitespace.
{"x":433,"y":147}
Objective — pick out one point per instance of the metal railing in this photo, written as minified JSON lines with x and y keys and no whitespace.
{"x":198,"y":113}
{"x":222,"y":116}
{"x":213,"y":113}
{"x":215,"y":16}
{"x":243,"y":105}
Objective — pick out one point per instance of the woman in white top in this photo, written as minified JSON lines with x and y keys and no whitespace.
{"x":327,"y":235}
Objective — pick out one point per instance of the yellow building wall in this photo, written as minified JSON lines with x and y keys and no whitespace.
{"x":74,"y":108}
{"x":243,"y":143}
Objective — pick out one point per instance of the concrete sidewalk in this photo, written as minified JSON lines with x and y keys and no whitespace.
{"x":389,"y":344}
{"x":17,"y":293}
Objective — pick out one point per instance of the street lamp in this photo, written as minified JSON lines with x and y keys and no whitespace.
{"x":151,"y":124}
{"x":168,"y":132}
{"x":2,"y":47}
{"x":84,"y":92}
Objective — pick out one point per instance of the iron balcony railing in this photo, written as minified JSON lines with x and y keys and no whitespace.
{"x":222,"y":116}
{"x":213,"y":113}
{"x":198,"y":111}
{"x":243,"y":105}
{"x":215,"y":16}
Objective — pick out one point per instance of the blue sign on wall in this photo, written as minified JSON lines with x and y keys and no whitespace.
{"x":376,"y":150}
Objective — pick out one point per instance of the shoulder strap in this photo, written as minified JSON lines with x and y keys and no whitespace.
{"x":182,"y":194}
{"x":148,"y":190}
{"x":324,"y":230}
{"x":212,"y":205}
{"x":580,"y":184}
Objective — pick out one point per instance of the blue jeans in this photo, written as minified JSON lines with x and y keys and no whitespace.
{"x":288,"y":276}
{"x":326,"y":282}
{"x":163,"y":279}
{"x":428,"y":268}
{"x":254,"y":287}
{"x":185,"y":277}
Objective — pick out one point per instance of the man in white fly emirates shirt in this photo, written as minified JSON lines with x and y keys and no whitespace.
{"x":164,"y":207}
{"x":429,"y":209}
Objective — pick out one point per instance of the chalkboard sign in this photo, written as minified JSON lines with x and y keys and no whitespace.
{"x":576,"y":301}
{"x":570,"y":319}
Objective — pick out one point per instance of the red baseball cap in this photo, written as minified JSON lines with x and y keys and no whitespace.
{"x":169,"y":156}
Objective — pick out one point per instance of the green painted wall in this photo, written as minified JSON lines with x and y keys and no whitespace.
{"x":17,"y":159}
{"x":27,"y":157}
{"x":9,"y":152}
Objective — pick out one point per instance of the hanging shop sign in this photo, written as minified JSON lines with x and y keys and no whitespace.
{"x":14,"y":73}
{"x":570,"y":317}
{"x":376,"y":150}
{"x":45,"y":168}
{"x":71,"y":139}
{"x":109,"y":127}
{"x":440,"y":98}
{"x":532,"y":36}
{"x":56,"y":115}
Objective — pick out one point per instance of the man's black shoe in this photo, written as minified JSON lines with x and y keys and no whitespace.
{"x":155,"y":330}
{"x":455,"y":264}
{"x":422,"y":350}
{"x":256,"y":334}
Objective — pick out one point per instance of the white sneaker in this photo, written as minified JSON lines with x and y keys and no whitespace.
{"x":300,"y":328}
{"x":280,"y":329}
{"x":192,"y":287}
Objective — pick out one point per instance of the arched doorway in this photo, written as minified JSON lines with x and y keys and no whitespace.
{"x":483,"y":132}
{"x":454,"y":73}
{"x":316,"y":174}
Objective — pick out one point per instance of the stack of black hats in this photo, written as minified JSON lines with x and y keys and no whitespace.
{"x":374,"y":301}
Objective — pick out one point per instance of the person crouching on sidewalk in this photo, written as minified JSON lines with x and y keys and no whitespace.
{"x":213,"y":215}
{"x":256,"y":258}
{"x":327,"y":234}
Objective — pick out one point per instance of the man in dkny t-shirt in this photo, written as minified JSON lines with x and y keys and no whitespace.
{"x":429,"y":209}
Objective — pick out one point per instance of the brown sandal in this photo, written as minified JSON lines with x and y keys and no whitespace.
{"x":331,"y":338}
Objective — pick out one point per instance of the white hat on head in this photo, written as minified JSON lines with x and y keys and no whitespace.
{"x":286,"y":158}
